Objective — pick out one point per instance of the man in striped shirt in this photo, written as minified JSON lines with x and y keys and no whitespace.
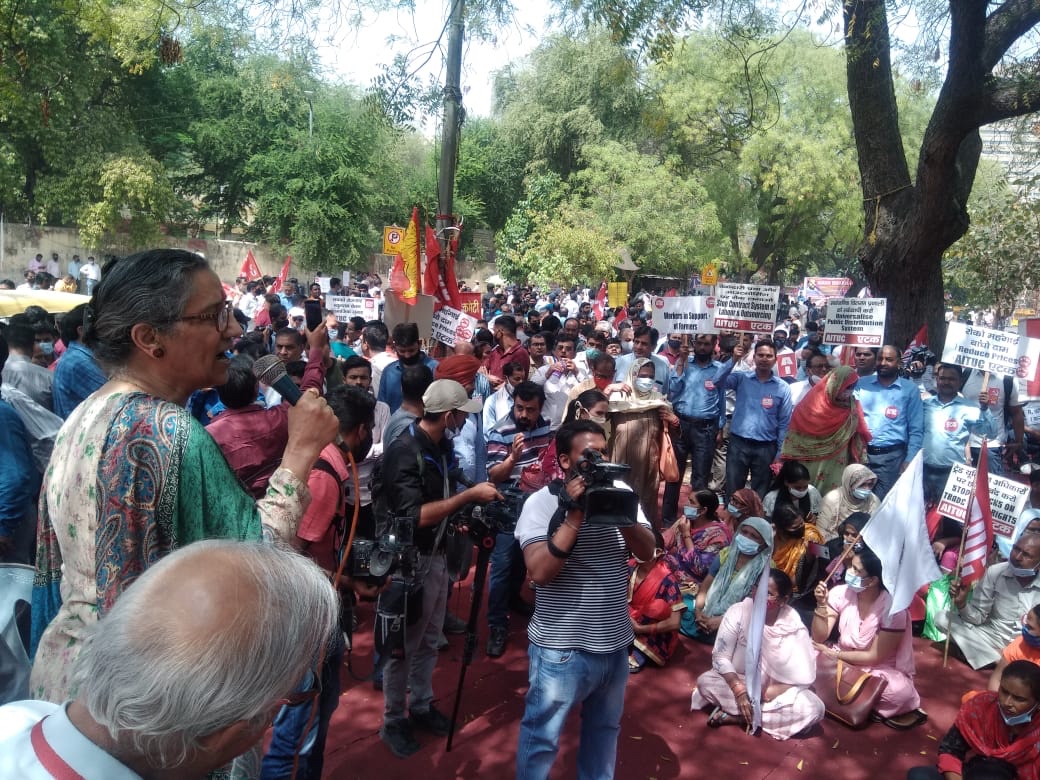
{"x":514,"y":442}
{"x":581,"y":629}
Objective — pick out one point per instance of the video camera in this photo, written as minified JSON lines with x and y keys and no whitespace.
{"x":496,"y":517}
{"x":375,"y":560}
{"x":604,"y":503}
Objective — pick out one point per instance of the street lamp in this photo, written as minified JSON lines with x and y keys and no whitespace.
{"x":310,"y":113}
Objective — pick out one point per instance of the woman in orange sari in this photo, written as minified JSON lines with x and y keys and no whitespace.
{"x":827,"y":430}
{"x":655,"y":607}
{"x":793,"y":555}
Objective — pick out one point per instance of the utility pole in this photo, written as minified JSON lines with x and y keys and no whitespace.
{"x":451,"y":126}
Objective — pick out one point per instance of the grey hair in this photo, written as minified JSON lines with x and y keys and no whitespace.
{"x":157,"y":692}
{"x":150,"y":287}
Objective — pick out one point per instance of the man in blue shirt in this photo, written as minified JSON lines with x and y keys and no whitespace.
{"x":949,"y":421}
{"x":77,"y":373}
{"x":406,"y":344}
{"x":761,"y":415}
{"x":892,"y":408}
{"x":695,"y":388}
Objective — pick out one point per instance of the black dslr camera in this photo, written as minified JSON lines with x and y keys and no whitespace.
{"x":604,"y":503}
{"x":395,"y":557}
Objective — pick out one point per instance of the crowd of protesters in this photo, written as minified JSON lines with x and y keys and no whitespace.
{"x":135,"y":425}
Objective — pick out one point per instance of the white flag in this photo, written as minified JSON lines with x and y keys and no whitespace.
{"x":898,"y":535}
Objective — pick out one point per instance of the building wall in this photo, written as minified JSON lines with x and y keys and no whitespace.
{"x":22,"y":244}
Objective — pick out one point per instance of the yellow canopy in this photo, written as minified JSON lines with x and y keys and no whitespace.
{"x":17,"y":301}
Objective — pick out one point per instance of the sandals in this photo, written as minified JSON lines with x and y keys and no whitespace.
{"x":718,"y":717}
{"x":920,"y":717}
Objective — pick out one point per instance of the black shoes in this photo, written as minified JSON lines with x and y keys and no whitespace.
{"x":432,"y":721}
{"x":398,"y":736}
{"x":454,"y":624}
{"x":497,"y":641}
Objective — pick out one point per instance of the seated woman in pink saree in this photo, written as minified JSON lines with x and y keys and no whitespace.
{"x":764,"y":635}
{"x":655,"y":607}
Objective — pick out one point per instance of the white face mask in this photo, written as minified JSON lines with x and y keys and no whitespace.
{"x":626,"y":347}
{"x":814,"y":380}
{"x":798,"y":493}
{"x":644,"y":385}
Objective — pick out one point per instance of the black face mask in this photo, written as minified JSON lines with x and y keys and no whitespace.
{"x":411,"y":361}
{"x":360,"y":452}
{"x":796,"y":533}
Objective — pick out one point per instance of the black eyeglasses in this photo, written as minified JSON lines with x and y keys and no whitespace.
{"x":297,"y":698}
{"x":222,"y":316}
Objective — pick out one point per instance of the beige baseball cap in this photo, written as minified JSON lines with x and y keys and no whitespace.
{"x":446,"y":395}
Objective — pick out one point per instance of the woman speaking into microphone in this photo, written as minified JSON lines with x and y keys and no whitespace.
{"x":134,"y":475}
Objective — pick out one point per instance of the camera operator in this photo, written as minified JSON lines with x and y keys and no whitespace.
{"x":581,"y":614}
{"x":418,"y":475}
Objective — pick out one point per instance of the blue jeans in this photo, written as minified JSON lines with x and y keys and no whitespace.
{"x":505,"y":580}
{"x":291,"y":721}
{"x":749,"y":455}
{"x":559,"y":679}
{"x":694,"y":440}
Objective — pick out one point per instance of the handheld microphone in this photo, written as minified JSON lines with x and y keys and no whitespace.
{"x":270,"y":371}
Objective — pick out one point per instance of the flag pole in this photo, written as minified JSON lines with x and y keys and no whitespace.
{"x":960,"y":552}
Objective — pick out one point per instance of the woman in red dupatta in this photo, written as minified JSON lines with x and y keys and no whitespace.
{"x":655,"y":607}
{"x":828,"y":431}
{"x":988,"y":729}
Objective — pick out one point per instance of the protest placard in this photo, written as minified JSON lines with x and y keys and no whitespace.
{"x":347,"y":306}
{"x":471,"y":303}
{"x":686,"y":314}
{"x":787,"y":365}
{"x":451,"y":325}
{"x":818,"y":288}
{"x":746,"y":307}
{"x":856,"y":322}
{"x":1007,"y":500}
{"x":985,"y":349}
{"x":956,"y":497}
{"x":1032,"y":414}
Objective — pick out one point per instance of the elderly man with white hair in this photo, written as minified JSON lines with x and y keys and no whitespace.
{"x":185,"y":673}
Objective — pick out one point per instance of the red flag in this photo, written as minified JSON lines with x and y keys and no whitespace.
{"x":600,"y":305}
{"x":672,"y":293}
{"x":432,"y":275}
{"x":978,"y":535}
{"x":920,"y":339}
{"x":283,"y":275}
{"x":443,"y":287}
{"x":404,"y":277}
{"x":250,"y":270}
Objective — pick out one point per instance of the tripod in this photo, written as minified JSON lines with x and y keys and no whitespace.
{"x":484,"y":547}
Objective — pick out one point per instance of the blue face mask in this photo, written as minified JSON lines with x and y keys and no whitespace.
{"x":855,"y":582}
{"x":690,"y":512}
{"x":746,"y":546}
{"x":733,"y":510}
{"x":47,"y":347}
{"x":1029,"y":637}
{"x":1018,"y":720}
{"x":1022,"y":572}
{"x":861,"y":494}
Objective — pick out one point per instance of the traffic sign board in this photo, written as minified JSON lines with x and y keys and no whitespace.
{"x":392,"y":238}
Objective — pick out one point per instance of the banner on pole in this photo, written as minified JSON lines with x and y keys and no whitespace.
{"x":1007,"y":500}
{"x":687,"y":314}
{"x":746,"y":307}
{"x":856,"y":322}
{"x":451,"y":326}
{"x":956,"y":496}
{"x":985,"y":349}
{"x":347,"y":306}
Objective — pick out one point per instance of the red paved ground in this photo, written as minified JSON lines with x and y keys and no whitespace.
{"x":660,"y":737}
